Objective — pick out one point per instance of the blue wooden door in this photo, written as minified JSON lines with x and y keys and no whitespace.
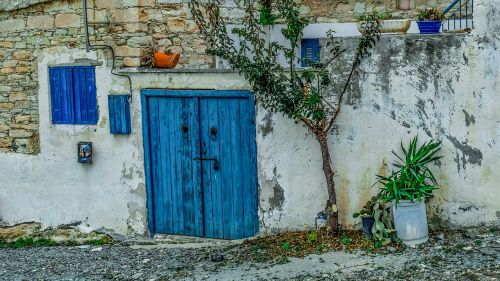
{"x":201,"y":163}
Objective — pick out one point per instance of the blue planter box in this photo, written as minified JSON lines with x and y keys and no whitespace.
{"x":429,"y":26}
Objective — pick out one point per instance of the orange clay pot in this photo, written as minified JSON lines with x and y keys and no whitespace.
{"x":163,"y":60}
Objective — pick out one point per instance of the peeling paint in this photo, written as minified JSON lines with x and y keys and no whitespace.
{"x":267,"y":127}
{"x":468,"y":208}
{"x":469,"y":154}
{"x":277,"y":198}
{"x":103,"y":122}
{"x":276,"y":202}
{"x":469,"y":119}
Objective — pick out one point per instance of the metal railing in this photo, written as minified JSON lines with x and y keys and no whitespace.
{"x":459,"y":15}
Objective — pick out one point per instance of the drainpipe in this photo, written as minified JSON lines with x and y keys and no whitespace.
{"x":88,"y":47}
{"x":86,"y":25}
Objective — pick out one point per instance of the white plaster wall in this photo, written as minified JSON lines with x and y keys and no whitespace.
{"x":109,"y":195}
{"x":401,"y":91}
{"x":54,"y":189}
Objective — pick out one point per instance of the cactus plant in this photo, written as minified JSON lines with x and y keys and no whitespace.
{"x":383,"y":230}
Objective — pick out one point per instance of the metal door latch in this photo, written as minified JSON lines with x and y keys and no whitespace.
{"x":216,"y":164}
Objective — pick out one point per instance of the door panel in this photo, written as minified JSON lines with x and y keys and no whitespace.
{"x":230,"y":202}
{"x":176,"y":187}
{"x":201,"y":163}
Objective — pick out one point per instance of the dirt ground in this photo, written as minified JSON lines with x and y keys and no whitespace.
{"x":468,"y":254}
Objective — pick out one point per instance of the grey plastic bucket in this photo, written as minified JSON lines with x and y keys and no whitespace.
{"x":410,"y":220}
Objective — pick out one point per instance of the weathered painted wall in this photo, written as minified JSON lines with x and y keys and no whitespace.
{"x":444,"y":86}
{"x":52,"y":188}
{"x":108,"y":195}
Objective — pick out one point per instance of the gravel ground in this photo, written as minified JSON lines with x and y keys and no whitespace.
{"x":471,"y":254}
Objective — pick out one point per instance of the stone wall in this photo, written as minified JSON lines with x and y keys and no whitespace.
{"x":349,"y":10}
{"x":29,"y":26}
{"x":23,"y":35}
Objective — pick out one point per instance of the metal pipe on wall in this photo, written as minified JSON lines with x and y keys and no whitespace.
{"x":86,"y":25}
{"x":88,"y":47}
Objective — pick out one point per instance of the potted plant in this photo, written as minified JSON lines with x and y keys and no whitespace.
{"x":160,"y":58}
{"x":407,"y":188}
{"x":429,"y":21}
{"x":377,"y":221}
{"x":387,"y":24}
{"x":366,"y":214}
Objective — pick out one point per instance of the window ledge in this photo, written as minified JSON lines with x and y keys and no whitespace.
{"x":132,"y":70}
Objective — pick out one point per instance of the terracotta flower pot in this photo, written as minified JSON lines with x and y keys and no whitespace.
{"x":164,"y":60}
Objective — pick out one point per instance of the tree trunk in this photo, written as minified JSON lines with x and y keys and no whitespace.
{"x":331,"y":205}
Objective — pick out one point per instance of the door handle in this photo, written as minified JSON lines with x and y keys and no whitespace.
{"x":216,"y":164}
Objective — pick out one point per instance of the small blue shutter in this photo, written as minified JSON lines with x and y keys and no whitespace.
{"x":310,"y":51}
{"x":119,"y":114}
{"x":56,"y":98}
{"x":73,"y":95}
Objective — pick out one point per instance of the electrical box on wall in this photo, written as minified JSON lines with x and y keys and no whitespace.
{"x":84,"y":152}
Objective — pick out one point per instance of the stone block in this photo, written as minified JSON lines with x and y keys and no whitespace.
{"x":20,"y":134}
{"x":4,"y":88}
{"x":139,"y":41}
{"x":40,"y":22}
{"x":22,"y":69}
{"x":22,"y":55}
{"x":126,"y":51}
{"x":6,"y":105}
{"x":176,"y":24}
{"x":68,"y":20}
{"x":22,"y":118}
{"x":17,"y":96}
{"x":12,"y":25}
{"x":165,"y":43}
{"x":132,"y":62}
{"x":192,"y":27}
{"x":136,"y":27}
{"x":6,"y":44}
{"x":22,"y":104}
{"x":7,"y":70}
{"x":10,"y":63}
{"x":129,"y":15}
{"x":138,"y":3}
{"x":11,"y":233}
{"x":5,"y":142}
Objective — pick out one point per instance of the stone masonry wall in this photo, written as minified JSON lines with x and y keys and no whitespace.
{"x":349,"y":10}
{"x":29,"y":26}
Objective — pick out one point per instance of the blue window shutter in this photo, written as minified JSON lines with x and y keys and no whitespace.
{"x":91,"y":96}
{"x":73,"y":95}
{"x":119,"y":114}
{"x":55,"y":94}
{"x":310,"y":50}
{"x":79,"y":88}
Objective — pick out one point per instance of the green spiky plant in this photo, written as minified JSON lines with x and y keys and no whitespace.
{"x":412,"y":180}
{"x":431,"y":14}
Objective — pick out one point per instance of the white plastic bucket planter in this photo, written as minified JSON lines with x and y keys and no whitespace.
{"x":391,"y":26}
{"x":410,"y":221}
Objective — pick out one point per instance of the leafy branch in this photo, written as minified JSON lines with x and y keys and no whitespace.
{"x":301,"y":94}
